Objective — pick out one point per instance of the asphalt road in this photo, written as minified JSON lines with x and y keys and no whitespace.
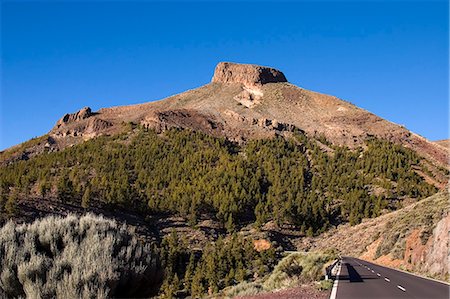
{"x":360,"y":279}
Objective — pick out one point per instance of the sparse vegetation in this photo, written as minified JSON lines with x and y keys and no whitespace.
{"x":72,"y":257}
{"x":325,"y":285}
{"x":297,"y":268}
{"x":8,"y":153}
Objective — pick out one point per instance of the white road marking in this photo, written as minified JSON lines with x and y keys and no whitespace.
{"x":387,"y":279}
{"x":378,"y":274}
{"x":401,"y":288}
{"x":373,"y":271}
{"x":335,"y":284}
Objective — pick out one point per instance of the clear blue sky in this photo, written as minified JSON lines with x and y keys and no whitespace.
{"x":390,"y":58}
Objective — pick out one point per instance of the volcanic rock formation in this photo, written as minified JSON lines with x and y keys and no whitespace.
{"x":248,"y":74}
{"x":73,"y":117}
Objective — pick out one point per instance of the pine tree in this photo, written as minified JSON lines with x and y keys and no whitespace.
{"x":86,"y":197}
{"x":189,"y":272}
{"x":11,"y":204}
{"x":230,"y":227}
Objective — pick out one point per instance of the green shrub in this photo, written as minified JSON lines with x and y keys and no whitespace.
{"x":75,"y":257}
{"x":325,"y":285}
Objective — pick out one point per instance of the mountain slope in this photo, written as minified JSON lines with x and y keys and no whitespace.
{"x":246,"y":102}
{"x":444,"y":143}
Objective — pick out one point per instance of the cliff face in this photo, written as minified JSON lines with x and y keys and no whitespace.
{"x":437,"y":259}
{"x":247,"y":74}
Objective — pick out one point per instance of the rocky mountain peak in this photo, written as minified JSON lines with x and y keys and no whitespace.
{"x":247,"y":74}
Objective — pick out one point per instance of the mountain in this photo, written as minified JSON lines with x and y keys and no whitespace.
{"x":248,"y":153}
{"x":245,"y":102}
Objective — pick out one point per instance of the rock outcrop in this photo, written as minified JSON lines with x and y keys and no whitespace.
{"x":73,"y":117}
{"x":89,"y":129}
{"x":248,"y":74}
{"x":83,"y":123}
{"x":161,"y":121}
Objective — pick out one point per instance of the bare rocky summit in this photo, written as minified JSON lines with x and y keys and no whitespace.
{"x":247,"y":74}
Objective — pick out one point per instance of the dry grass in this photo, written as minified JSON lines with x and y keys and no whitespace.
{"x":72,"y":257}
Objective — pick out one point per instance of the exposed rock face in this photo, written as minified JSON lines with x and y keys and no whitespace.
{"x":83,"y":123}
{"x":247,"y":74}
{"x":437,"y":259}
{"x":261,"y":245}
{"x":90,"y":128}
{"x":72,"y":117}
{"x":164,"y":120}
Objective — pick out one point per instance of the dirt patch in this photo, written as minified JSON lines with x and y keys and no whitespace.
{"x":261,"y":245}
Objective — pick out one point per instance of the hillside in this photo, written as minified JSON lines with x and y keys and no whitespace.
{"x":248,"y":164}
{"x":414,"y":238}
{"x":444,"y":143}
{"x":287,"y":180}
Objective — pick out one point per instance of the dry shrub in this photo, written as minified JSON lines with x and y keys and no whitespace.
{"x":297,"y":268}
{"x":75,"y":257}
{"x":291,"y":271}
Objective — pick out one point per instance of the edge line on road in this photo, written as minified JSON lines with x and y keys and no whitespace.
{"x":335,"y":284}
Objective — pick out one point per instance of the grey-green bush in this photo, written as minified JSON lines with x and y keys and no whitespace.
{"x":291,"y":271}
{"x":298,"y":267}
{"x":76,"y":257}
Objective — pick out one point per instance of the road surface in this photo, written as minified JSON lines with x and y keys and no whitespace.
{"x":359,"y":279}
